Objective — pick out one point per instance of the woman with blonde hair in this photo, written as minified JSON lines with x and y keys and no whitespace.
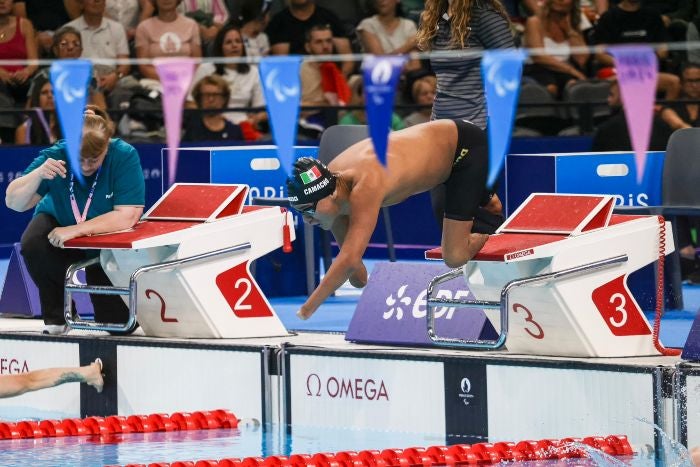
{"x":460,"y":25}
{"x":111,"y":198}
{"x":556,"y":29}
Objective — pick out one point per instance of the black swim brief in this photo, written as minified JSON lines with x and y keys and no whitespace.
{"x":466,"y":186}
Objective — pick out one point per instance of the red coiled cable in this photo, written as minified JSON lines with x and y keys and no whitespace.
{"x":660,"y":292}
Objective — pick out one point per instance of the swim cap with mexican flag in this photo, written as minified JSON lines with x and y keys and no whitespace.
{"x":310,"y":182}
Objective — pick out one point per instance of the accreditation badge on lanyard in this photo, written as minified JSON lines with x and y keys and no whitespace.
{"x":79,"y":218}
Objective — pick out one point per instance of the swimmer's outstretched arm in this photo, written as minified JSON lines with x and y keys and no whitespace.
{"x":15,"y":385}
{"x":340,"y":229}
{"x":348,"y":263}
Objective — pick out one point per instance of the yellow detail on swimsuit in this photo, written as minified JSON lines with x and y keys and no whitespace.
{"x":463,"y":153}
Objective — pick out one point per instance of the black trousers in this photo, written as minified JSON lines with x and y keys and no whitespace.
{"x":48,"y":264}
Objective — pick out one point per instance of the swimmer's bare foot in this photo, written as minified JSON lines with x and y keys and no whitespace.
{"x":695,"y":455}
{"x":93,"y":376}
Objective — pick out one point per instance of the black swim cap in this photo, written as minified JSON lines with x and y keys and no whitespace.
{"x":310,"y":182}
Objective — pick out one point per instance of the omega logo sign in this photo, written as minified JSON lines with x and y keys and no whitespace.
{"x":13,"y":366}
{"x":346,"y":388}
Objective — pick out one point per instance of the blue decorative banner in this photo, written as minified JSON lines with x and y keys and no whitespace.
{"x":69,"y":79}
{"x":501,"y":71}
{"x":282,"y":88}
{"x":380,"y":75}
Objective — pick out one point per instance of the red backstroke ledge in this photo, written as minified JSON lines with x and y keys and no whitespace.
{"x":458,"y":454}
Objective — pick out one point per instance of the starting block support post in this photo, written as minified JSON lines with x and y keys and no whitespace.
{"x":185,"y":267}
{"x":503,"y":305}
{"x":72,"y":285}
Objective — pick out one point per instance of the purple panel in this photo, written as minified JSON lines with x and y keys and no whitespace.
{"x":691,"y":351}
{"x":17,"y":299}
{"x":392,"y":308}
{"x":20,"y":296}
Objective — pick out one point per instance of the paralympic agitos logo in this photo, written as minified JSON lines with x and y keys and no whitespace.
{"x":346,"y":388}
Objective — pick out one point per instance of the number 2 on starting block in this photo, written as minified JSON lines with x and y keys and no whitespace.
{"x":619,"y":309}
{"x":242,"y":293}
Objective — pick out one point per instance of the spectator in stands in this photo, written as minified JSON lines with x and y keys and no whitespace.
{"x":243,"y":80}
{"x":359,"y":116}
{"x":18,"y":384}
{"x":68,"y":44}
{"x":322,"y":83}
{"x":169,"y":34}
{"x":47,"y":16}
{"x":681,"y":114}
{"x":210,"y":15}
{"x":675,"y":14}
{"x":686,"y":115}
{"x":129,"y":13}
{"x":101,"y":37}
{"x":287,"y":30}
{"x":423,"y":94}
{"x":17,"y":42}
{"x":41,"y":126}
{"x":388,"y":32}
{"x":211,"y":93}
{"x":253,"y":17}
{"x":458,"y":25}
{"x":613,"y":135}
{"x":64,"y":210}
{"x":117,"y":91}
{"x":630,"y":23}
{"x":556,"y":29}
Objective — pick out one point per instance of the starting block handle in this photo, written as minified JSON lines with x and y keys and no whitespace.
{"x":504,"y":304}
{"x":71,"y":285}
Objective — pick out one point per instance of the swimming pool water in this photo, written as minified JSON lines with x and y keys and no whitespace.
{"x":247,"y":441}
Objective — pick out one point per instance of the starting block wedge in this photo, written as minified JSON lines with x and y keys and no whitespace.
{"x":553,"y":279}
{"x":184,"y":269}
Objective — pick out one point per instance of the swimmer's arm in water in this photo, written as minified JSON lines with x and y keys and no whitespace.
{"x":364,"y":208}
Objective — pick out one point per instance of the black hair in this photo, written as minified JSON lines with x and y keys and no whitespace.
{"x":217,"y":49}
{"x":316,"y":27}
{"x":37,"y":132}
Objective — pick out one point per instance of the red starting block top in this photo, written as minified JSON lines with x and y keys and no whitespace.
{"x":560,"y":214}
{"x":499,"y":246}
{"x":125,"y":239}
{"x":203,"y":202}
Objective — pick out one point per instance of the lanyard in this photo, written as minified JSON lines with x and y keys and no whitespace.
{"x":74,"y":204}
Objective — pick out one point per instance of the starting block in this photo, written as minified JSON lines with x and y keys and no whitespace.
{"x":553,"y":279}
{"x":185,"y":267}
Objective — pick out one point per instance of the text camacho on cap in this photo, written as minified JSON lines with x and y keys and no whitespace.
{"x":310,"y":182}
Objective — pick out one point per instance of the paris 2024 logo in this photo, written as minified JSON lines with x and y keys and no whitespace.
{"x":406,"y":302}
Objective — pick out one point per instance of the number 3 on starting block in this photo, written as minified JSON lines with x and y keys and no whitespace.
{"x":619,"y":309}
{"x":531,"y":326}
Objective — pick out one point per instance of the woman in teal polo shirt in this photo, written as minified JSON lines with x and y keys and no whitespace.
{"x":111,"y":199}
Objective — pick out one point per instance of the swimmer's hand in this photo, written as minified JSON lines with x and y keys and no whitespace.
{"x":305,"y":312}
{"x":358,"y":279}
